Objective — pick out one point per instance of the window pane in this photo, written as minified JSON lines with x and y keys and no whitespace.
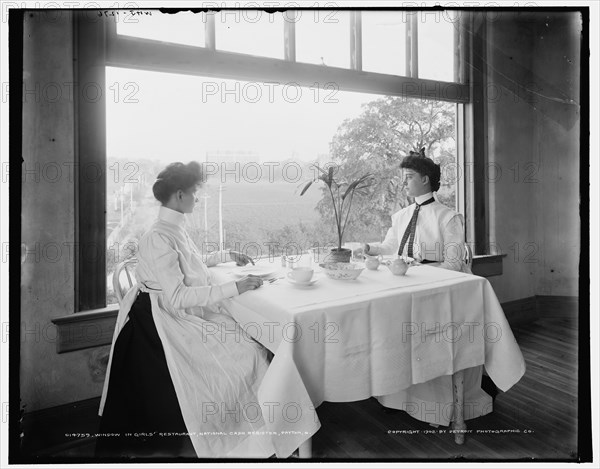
{"x":436,"y":45}
{"x":323,"y":37}
{"x":384,"y":42}
{"x":253,"y":32}
{"x":183,"y":27}
{"x":256,"y":171}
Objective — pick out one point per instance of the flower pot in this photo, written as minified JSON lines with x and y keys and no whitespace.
{"x":340,"y":255}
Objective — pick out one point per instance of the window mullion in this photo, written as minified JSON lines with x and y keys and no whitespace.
{"x":356,"y":40}
{"x":414,"y":46}
{"x":289,"y":39}
{"x":209,"y":31}
{"x":407,"y":47}
{"x":461,"y":46}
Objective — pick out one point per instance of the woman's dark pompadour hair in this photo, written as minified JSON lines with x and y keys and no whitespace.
{"x":417,"y":161}
{"x":176,"y":176}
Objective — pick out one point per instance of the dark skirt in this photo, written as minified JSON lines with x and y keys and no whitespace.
{"x":141,"y":402}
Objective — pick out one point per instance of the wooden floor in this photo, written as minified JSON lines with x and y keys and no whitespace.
{"x":542,"y":406}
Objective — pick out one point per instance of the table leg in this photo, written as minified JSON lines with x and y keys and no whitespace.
{"x":305,"y":450}
{"x":458,"y":421}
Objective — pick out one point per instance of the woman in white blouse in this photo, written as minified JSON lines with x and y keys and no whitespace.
{"x":438,"y":233}
{"x":182,"y":378}
{"x":430,"y":233}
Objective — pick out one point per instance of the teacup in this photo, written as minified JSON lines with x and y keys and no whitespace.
{"x":301,"y":274}
{"x":372,"y":262}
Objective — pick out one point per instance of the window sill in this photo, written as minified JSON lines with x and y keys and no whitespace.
{"x":86,"y":329}
{"x":487,"y":265}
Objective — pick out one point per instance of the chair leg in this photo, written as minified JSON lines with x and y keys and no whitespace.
{"x":458,"y":421}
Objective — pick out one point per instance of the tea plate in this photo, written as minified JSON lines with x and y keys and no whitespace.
{"x":303,"y":284}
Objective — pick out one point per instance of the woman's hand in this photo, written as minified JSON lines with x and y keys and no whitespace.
{"x":361,"y":251}
{"x":251,"y":282}
{"x":239,"y":258}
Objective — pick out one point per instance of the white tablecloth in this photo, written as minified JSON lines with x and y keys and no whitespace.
{"x":344,"y":341}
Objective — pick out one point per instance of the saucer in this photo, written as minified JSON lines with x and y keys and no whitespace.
{"x":303,"y":284}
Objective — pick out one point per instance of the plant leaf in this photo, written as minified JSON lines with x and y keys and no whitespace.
{"x":308,"y":184}
{"x":360,"y":183}
{"x":350,"y":188}
{"x":364,"y":185}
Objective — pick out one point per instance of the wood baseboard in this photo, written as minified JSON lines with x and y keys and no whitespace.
{"x":557,"y":306}
{"x":526,"y":310}
{"x":521,"y":311}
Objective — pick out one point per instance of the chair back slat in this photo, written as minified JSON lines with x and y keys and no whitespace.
{"x":118,"y":287}
{"x":468,"y":256}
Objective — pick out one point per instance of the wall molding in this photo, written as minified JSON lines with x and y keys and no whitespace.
{"x":557,"y":306}
{"x":529,"y":309}
{"x":487,"y":265}
{"x":521,"y":311}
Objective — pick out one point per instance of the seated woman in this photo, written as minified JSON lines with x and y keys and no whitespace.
{"x":433,"y":234}
{"x":182,"y":378}
{"x":427,"y":230}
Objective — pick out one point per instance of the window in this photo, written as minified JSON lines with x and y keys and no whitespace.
{"x":184,"y":27}
{"x":323,"y":37}
{"x":174,"y":106}
{"x":379,"y":30}
{"x":253,"y":32}
{"x":436,"y":40}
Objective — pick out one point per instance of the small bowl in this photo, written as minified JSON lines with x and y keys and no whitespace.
{"x":342,"y":270}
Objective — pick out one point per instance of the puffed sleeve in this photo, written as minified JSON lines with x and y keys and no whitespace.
{"x":163,"y":259}
{"x":454,"y":243}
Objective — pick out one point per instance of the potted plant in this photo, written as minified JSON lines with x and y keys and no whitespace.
{"x":342,"y":195}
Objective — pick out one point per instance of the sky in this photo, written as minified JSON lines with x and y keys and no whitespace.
{"x":171,"y":117}
{"x":180,"y":116}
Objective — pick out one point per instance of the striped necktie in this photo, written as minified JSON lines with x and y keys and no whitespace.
{"x":409,"y":234}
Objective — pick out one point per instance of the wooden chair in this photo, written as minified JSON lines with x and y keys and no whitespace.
{"x":468,"y":256}
{"x":123,"y":278}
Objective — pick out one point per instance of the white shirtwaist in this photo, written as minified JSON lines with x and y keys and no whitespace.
{"x":439,"y":237}
{"x":215,"y":367}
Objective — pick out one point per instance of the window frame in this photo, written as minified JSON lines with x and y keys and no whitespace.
{"x":97,"y":45}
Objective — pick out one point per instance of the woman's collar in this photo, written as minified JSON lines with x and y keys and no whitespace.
{"x":171,"y":216}
{"x":423,"y":198}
